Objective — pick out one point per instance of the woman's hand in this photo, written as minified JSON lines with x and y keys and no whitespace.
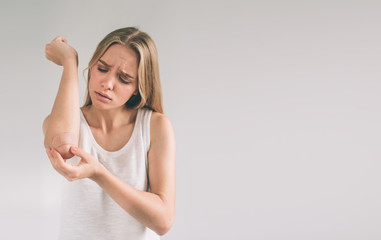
{"x":59,"y":52}
{"x":88,"y":167}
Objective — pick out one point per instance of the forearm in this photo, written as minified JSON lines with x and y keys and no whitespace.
{"x":148,"y":208}
{"x":63,"y":126}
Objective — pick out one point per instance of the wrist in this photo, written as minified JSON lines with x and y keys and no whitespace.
{"x":70,"y":62}
{"x":99,"y":172}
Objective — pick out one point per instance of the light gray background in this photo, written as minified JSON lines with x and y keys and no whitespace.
{"x":275,"y":105}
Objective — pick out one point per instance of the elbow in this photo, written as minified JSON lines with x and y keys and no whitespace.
{"x":59,"y":141}
{"x":64,"y":150}
{"x":62,"y":144}
{"x":163,"y":230}
{"x":165,"y":226}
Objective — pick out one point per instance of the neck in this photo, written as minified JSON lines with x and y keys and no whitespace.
{"x":110,"y":119}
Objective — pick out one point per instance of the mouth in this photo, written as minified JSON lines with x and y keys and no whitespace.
{"x":103,"y":95}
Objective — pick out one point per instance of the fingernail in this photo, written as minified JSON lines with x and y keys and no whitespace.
{"x":74,"y":149}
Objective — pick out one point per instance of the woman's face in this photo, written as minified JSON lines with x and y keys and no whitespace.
{"x":113,"y":78}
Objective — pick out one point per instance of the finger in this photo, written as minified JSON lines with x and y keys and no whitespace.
{"x":47,"y":55}
{"x":48,"y":153}
{"x":58,"y":159}
{"x":78,"y":152}
{"x":47,"y":150}
{"x":70,"y":179}
{"x":64,"y":168}
{"x":59,"y":162}
{"x":61,"y":39}
{"x":52,"y":160}
{"x":54,"y":163}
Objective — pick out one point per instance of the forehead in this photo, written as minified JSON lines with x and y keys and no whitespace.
{"x":121,"y":56}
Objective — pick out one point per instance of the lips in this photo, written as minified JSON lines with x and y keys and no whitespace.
{"x":103,"y":95}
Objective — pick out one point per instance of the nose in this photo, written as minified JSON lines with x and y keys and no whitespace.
{"x":108,"y":82}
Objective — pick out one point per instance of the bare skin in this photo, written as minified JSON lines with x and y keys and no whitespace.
{"x":61,"y":127}
{"x":107,"y":116}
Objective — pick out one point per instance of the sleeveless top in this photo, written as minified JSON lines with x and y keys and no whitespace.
{"x":87,"y":211}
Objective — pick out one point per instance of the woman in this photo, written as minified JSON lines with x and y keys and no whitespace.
{"x":119,"y":147}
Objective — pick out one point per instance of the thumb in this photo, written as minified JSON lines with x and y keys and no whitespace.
{"x":78,"y":152}
{"x":61,"y":39}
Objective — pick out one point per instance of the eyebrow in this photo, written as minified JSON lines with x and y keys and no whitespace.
{"x":123,"y":73}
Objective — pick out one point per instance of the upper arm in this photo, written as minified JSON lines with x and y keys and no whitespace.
{"x":61,"y":143}
{"x":161,"y":160}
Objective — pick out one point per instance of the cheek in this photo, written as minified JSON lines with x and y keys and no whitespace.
{"x":90,"y":83}
{"x":126,"y":93}
{"x":93,"y":78}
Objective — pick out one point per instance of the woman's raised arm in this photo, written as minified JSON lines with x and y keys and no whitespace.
{"x":61,"y":127}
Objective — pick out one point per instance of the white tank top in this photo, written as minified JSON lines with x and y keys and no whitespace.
{"x":87,"y":211}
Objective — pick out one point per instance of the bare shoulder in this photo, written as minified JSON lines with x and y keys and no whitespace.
{"x":160,"y":126}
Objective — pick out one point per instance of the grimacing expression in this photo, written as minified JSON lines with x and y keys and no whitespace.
{"x":113,"y":79}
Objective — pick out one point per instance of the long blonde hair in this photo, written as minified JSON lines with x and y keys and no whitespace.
{"x":149,"y":87}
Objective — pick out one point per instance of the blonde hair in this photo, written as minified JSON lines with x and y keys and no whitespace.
{"x":149,"y":87}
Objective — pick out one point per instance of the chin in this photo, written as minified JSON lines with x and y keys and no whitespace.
{"x":101,"y":106}
{"x":104,"y":106}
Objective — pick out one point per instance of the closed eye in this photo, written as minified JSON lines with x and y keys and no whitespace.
{"x":123,"y":80}
{"x":120,"y":78}
{"x":102,"y":70}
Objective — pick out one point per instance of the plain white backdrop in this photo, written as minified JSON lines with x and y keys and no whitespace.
{"x":275,"y":105}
